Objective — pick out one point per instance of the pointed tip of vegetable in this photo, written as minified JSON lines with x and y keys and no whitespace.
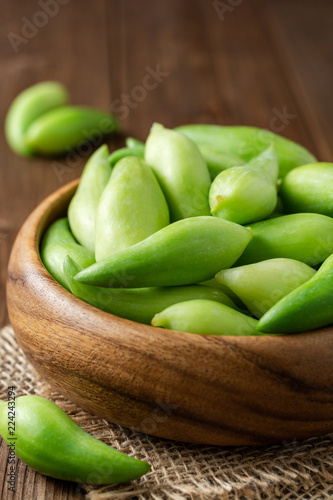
{"x":157,"y":127}
{"x":216,"y":204}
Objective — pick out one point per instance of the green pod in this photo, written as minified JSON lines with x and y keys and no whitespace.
{"x":217,"y":160}
{"x":207,"y":318}
{"x":131,"y":142}
{"x":49,"y":441}
{"x":308,"y":307}
{"x":278,"y":211}
{"x":213,"y":283}
{"x":263,"y":284}
{"x":60,"y":130}
{"x":118,"y":154}
{"x":309,"y":189}
{"x":138,"y":304}
{"x":304,"y":237}
{"x":131,"y":208}
{"x":58,"y":242}
{"x":180,"y":170}
{"x":246,"y":194}
{"x":247,"y":142}
{"x":185,"y":252}
{"x":83,"y":206}
{"x":27,"y":107}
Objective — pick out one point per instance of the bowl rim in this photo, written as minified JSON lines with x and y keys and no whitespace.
{"x":42,"y":217}
{"x":228,"y":388}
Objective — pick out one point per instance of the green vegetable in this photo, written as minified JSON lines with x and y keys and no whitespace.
{"x":83,"y":206}
{"x":304,"y":237}
{"x":131,"y":142}
{"x":217,"y":161}
{"x":308,"y":307}
{"x":207,"y":318}
{"x":58,"y":242}
{"x":180,"y":170}
{"x":131,"y":208}
{"x":118,"y":154}
{"x":213,"y":283}
{"x":309,"y":189}
{"x":247,"y":142}
{"x":29,"y":105}
{"x":64,"y":128}
{"x":50,"y":442}
{"x":246,"y":194}
{"x":137,"y":304}
{"x":185,"y":252}
{"x":263,"y":284}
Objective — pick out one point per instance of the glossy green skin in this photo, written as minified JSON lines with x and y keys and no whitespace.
{"x":246,"y":194}
{"x":83,"y":206}
{"x":262,"y":284}
{"x":304,"y":237}
{"x":213,"y":283}
{"x":309,"y":189}
{"x":65,"y":128}
{"x":57,"y":243}
{"x":185,"y":252}
{"x":308,"y":307}
{"x":247,"y":142}
{"x":137,"y":304}
{"x":131,"y":142}
{"x":49,"y":441}
{"x":131,"y":208}
{"x":180,"y":170}
{"x":207,"y":318}
{"x":117,"y":155}
{"x":217,"y":161}
{"x":27,"y":107}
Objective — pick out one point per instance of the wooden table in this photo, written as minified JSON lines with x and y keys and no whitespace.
{"x":266,"y":63}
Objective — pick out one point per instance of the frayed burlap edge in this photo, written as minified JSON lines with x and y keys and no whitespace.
{"x":296,"y":470}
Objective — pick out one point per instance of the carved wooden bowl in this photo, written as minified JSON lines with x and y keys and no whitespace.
{"x":200,"y":389}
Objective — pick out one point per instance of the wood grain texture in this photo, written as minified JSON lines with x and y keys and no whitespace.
{"x":264,"y":55}
{"x":217,"y":390}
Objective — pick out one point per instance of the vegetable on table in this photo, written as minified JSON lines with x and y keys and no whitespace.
{"x":49,"y":441}
{"x":29,"y":105}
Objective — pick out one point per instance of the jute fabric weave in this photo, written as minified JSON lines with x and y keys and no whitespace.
{"x":290,"y":471}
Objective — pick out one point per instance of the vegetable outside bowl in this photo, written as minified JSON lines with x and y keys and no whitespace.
{"x":195,"y":388}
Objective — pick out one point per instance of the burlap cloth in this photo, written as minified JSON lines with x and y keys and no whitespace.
{"x":297,"y":470}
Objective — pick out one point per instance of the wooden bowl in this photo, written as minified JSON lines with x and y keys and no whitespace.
{"x":200,"y":389}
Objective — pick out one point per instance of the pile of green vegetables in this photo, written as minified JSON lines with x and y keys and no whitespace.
{"x":203,"y":229}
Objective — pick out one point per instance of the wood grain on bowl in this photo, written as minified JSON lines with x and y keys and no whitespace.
{"x":212,"y":390}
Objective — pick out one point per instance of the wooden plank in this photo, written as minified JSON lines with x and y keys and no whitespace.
{"x":301,"y":34}
{"x":252,"y":88}
{"x":163,"y":69}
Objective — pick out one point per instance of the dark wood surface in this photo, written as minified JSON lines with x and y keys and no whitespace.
{"x":244,"y":66}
